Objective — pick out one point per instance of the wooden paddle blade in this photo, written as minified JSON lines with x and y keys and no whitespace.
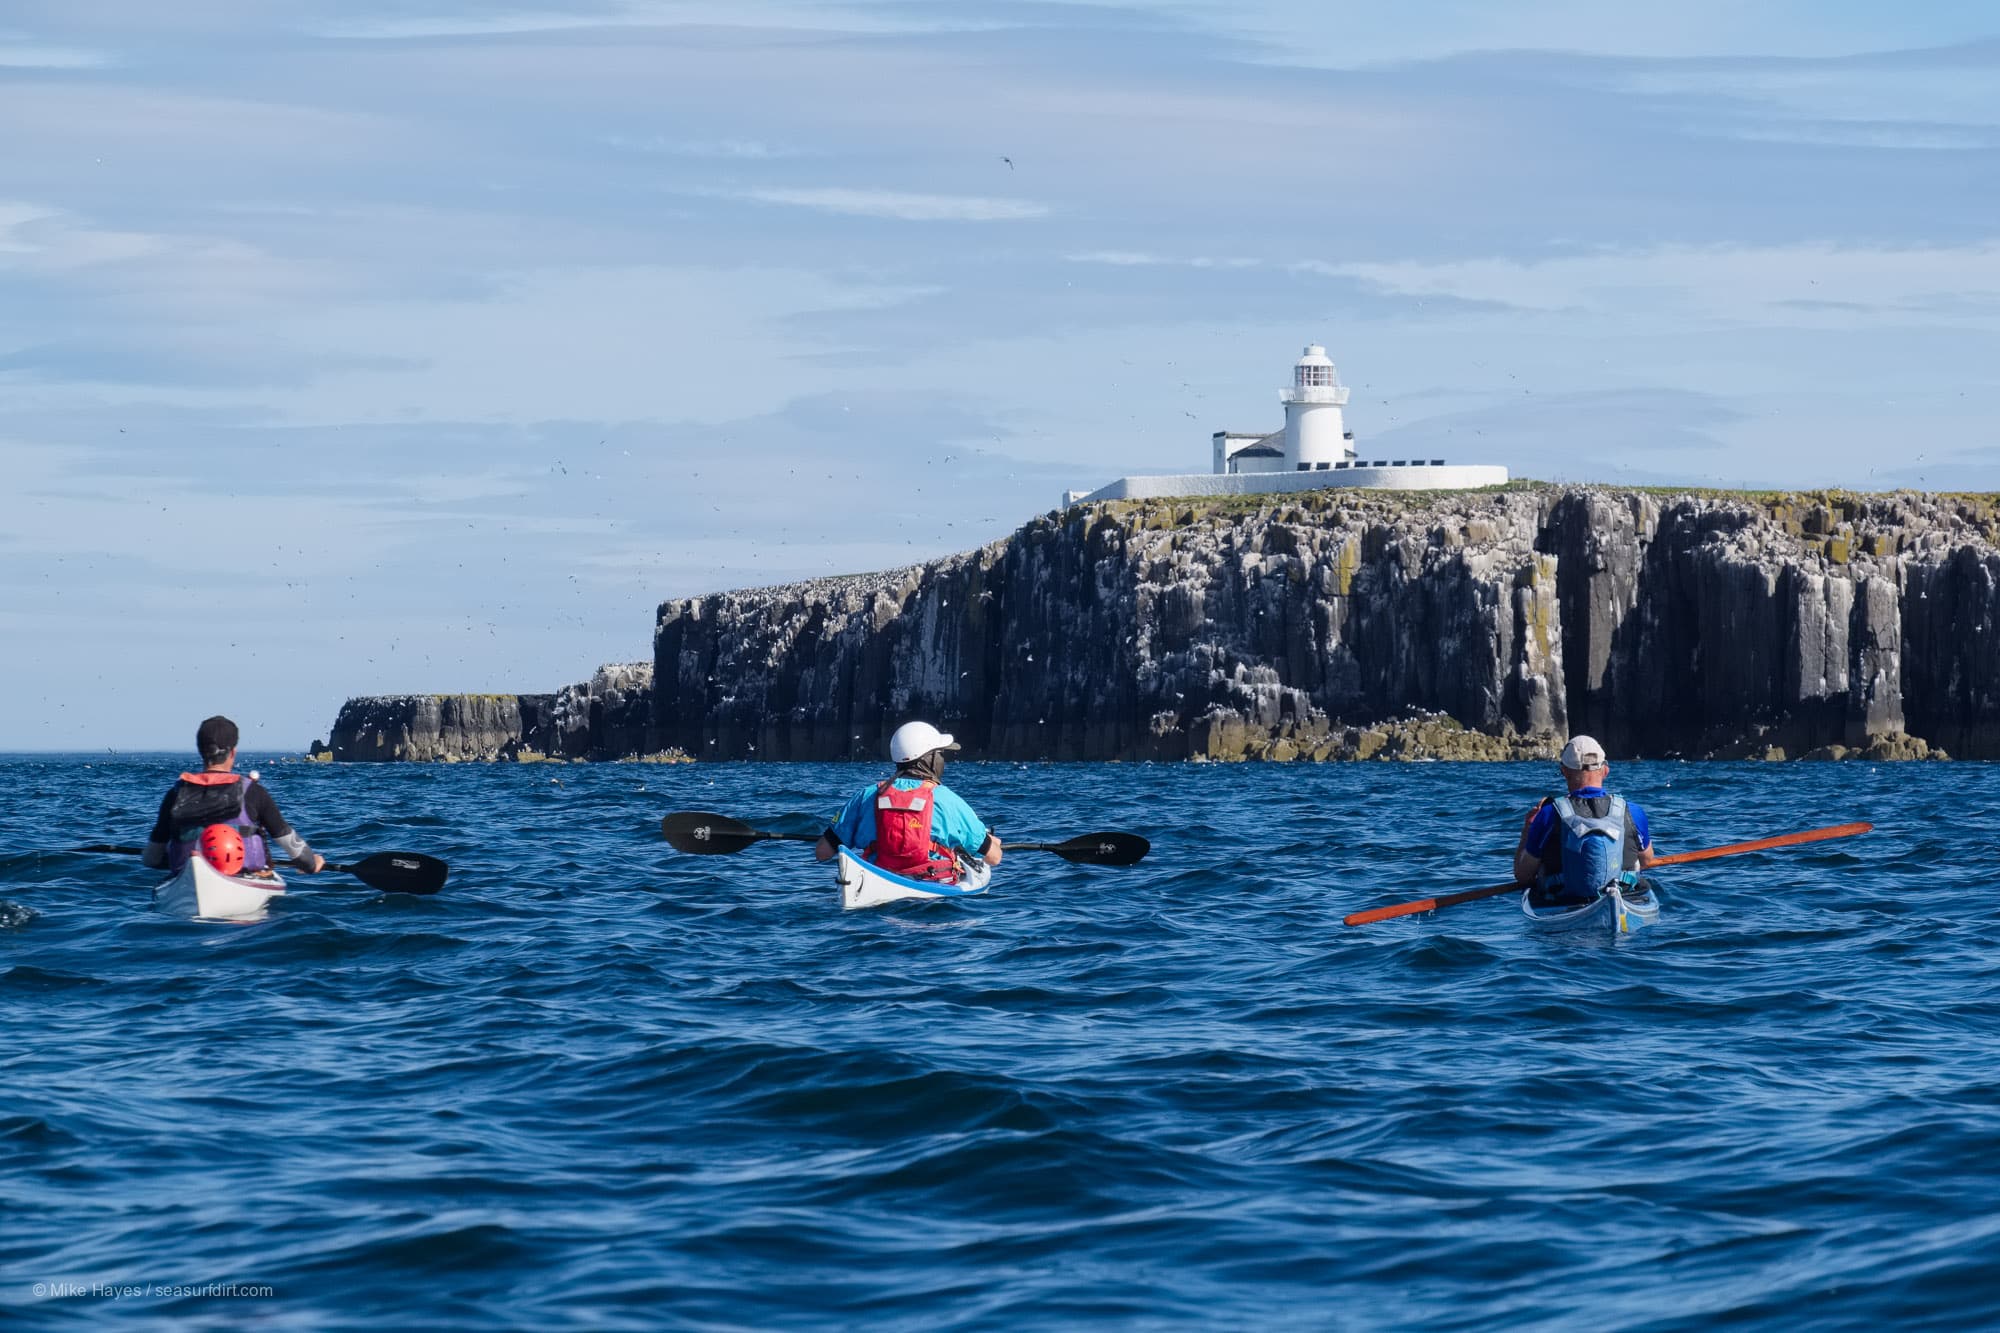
{"x":1428,"y":904}
{"x":398,"y":872}
{"x":706,"y":834}
{"x":1765,"y":844}
{"x":1102,"y":849}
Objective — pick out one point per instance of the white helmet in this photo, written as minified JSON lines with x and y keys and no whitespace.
{"x":914,"y":740}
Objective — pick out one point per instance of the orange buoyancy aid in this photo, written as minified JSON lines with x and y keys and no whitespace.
{"x":903,"y":843}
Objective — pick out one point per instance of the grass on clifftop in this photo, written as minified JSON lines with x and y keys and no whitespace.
{"x":1206,"y":507}
{"x":1322,"y":498}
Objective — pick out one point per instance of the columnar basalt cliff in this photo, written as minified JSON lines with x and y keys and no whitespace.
{"x":605,"y":717}
{"x":1348,"y":624}
{"x":446,"y":727}
{"x":608,"y":716}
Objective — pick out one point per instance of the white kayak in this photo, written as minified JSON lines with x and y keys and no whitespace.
{"x":1619,"y":910}
{"x":200,"y":890}
{"x":865,"y":885}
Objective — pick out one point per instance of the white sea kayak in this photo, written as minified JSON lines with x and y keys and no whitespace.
{"x":1619,"y":910}
{"x":202,"y":891}
{"x":864,"y":885}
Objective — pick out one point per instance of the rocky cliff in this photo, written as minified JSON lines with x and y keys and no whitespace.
{"x":441,"y":727}
{"x":608,"y":716}
{"x":1343,"y":623}
{"x":605,"y":717}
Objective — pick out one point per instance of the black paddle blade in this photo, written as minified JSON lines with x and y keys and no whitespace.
{"x":398,"y":872}
{"x":1103,"y":849}
{"x":706,"y":834}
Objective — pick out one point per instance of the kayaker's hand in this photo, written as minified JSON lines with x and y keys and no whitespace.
{"x":312,"y":867}
{"x":1526,"y":823}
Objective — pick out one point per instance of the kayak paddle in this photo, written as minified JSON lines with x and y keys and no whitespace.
{"x":1091,"y":849}
{"x":389,"y":872}
{"x":706,"y":834}
{"x":1678,"y":858}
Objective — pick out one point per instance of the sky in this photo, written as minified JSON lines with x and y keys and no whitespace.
{"x":366,"y":347}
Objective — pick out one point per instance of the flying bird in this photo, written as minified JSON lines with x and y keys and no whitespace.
{"x":1009,"y":161}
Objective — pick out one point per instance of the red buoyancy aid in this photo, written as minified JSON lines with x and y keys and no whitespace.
{"x":903,"y":844}
{"x":205,"y":798}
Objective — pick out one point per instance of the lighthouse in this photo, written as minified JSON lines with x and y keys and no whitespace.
{"x":1316,"y":437}
{"x":1314,"y":451}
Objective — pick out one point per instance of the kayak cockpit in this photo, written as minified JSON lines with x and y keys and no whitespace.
{"x":865,"y":885}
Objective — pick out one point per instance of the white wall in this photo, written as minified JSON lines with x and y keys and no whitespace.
{"x":1230,"y":443}
{"x":1449,"y":477}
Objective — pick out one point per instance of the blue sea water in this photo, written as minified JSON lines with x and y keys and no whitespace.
{"x":598,"y":1084}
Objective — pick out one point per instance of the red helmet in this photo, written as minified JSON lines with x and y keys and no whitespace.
{"x":222,"y":847}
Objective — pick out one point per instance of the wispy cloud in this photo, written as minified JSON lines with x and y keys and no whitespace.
{"x":899,"y":206}
{"x":181,"y":275}
{"x":1143,"y":259}
{"x":735,"y":150}
{"x":1891,"y":137}
{"x":862,"y":17}
{"x":23,"y":55}
{"x":46,"y":239}
{"x":1820,"y":283}
{"x":464,"y":25}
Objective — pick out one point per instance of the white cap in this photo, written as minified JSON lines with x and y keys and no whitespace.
{"x":1582,"y":753}
{"x":914,"y":740}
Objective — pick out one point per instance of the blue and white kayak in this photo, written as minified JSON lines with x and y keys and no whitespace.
{"x":864,"y":885}
{"x":1619,"y":910}
{"x":201,"y":891}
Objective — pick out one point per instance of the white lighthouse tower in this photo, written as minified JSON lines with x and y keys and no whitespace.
{"x":1315,"y":434}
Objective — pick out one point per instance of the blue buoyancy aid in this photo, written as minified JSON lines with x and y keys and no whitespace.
{"x":1593,"y":850}
{"x":201,"y":799}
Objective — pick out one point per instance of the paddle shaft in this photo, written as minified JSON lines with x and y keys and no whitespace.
{"x":386,"y":872}
{"x":1762,"y":844}
{"x":1428,"y":904}
{"x":1678,"y":858}
{"x":141,"y":851}
{"x":703,"y":833}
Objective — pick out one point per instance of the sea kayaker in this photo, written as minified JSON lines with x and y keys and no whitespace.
{"x":219,"y":795}
{"x":1572,"y":846}
{"x":912,"y":824}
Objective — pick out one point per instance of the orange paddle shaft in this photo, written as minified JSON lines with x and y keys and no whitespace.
{"x":1678,"y":858}
{"x":1762,"y":844}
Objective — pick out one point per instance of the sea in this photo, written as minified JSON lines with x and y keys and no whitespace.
{"x":595,"y":1083}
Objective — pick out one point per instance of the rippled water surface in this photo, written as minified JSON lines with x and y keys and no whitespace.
{"x":595,"y":1083}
